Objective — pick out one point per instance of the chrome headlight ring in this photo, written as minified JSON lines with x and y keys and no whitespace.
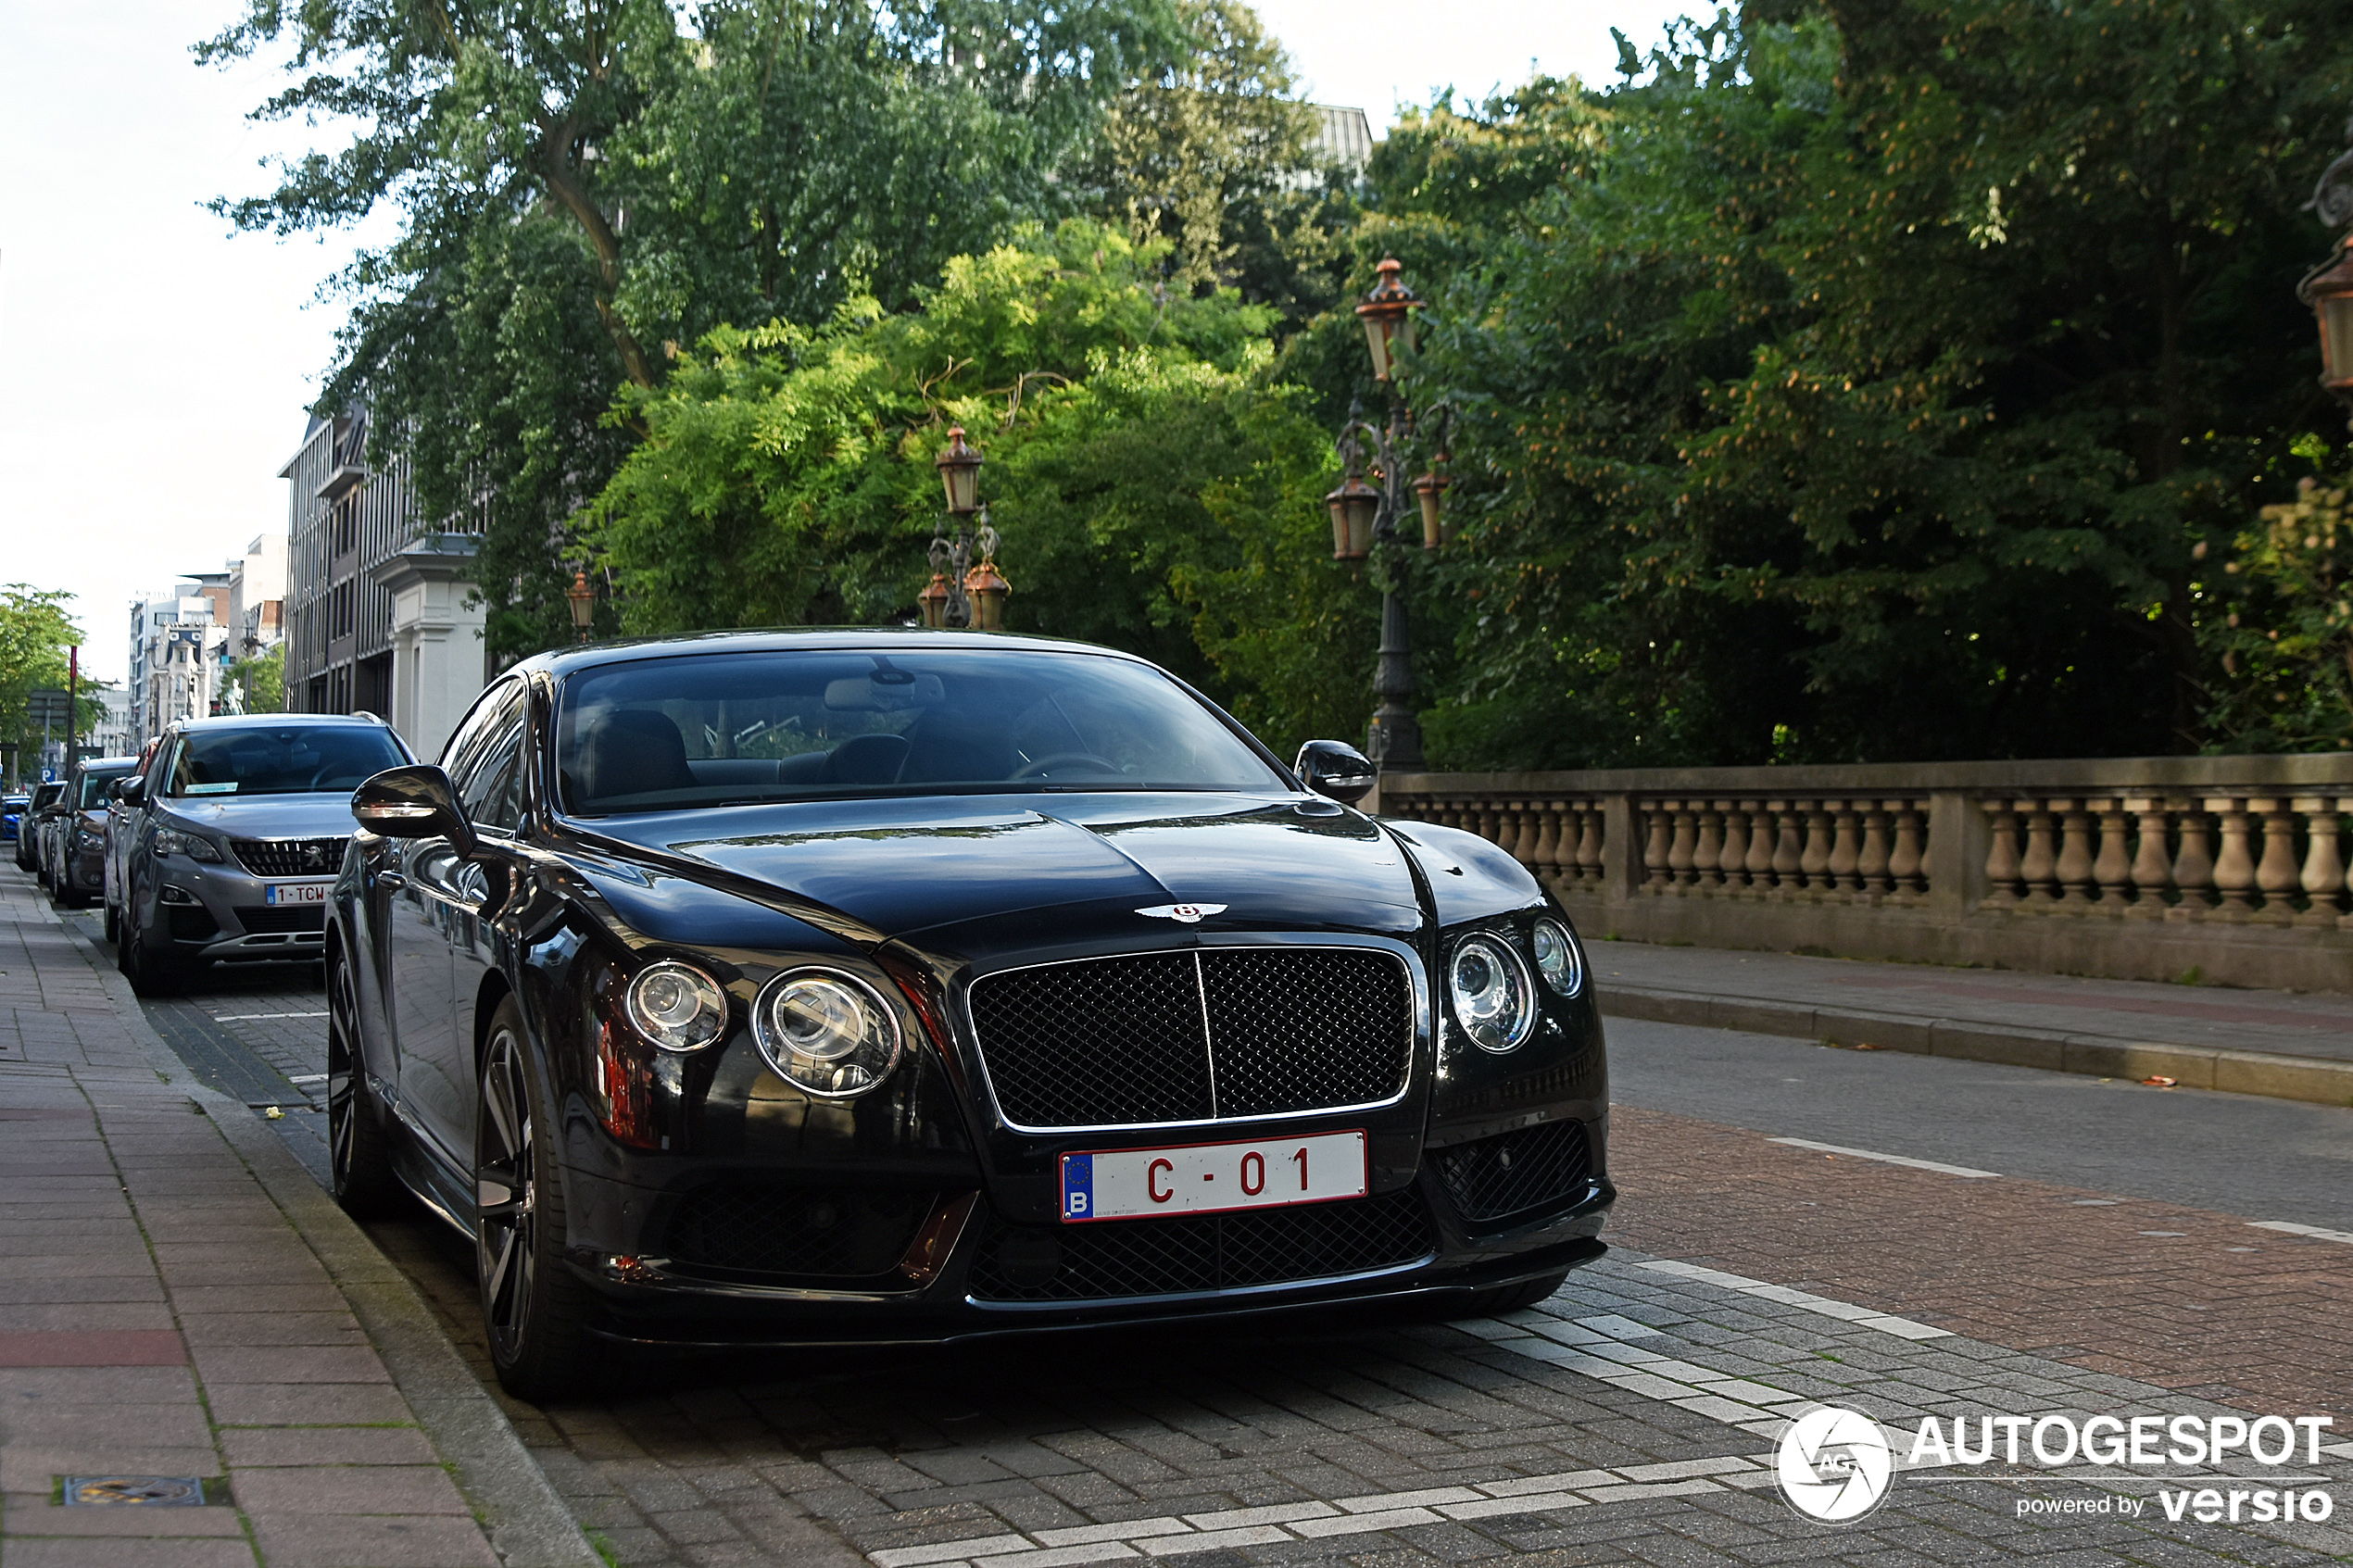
{"x":677,"y":1006}
{"x":829,"y":1035}
{"x":1494,"y":994}
{"x":1559,"y":959}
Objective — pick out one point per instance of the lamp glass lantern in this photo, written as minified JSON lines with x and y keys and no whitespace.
{"x":987,"y":588}
{"x":958,"y":465}
{"x":582,"y":600}
{"x":1431,"y":488}
{"x":934,"y":600}
{"x":1388,"y":315}
{"x":1354,"y":507}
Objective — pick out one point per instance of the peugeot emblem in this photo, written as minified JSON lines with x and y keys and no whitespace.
{"x":1183,"y":914}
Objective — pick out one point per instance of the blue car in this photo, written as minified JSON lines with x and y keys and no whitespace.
{"x":12,"y":808}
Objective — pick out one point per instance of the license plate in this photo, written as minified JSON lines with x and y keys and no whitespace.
{"x":296,"y":893}
{"x":1205,"y":1178}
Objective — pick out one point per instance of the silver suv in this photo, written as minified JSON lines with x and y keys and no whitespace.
{"x":234,"y":835}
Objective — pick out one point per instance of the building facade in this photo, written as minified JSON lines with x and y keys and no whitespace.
{"x":176,"y":646}
{"x":377,"y":615}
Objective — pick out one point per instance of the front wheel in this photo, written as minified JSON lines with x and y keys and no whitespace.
{"x":150,"y":975}
{"x":535,"y":1310}
{"x":358,"y":1164}
{"x":114,"y":925}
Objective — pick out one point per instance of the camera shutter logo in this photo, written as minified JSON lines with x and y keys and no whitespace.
{"x":1834,"y":1464}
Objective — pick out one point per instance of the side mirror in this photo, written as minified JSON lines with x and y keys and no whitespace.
{"x":417,"y":801}
{"x":132,"y":791}
{"x":1336,"y":769}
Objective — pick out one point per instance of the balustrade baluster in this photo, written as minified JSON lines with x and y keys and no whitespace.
{"x":2152,"y":868}
{"x":1679,"y":848}
{"x":1589,"y":843}
{"x":2001,"y":860}
{"x":2112,"y":867}
{"x":1789,"y":843}
{"x":1548,"y":838}
{"x":1708,"y":850}
{"x":1655,"y":874}
{"x":2193,"y":861}
{"x":2234,"y":867}
{"x":1490,"y":821}
{"x":1911,"y":837}
{"x":1731,"y":856}
{"x":1816,"y":860}
{"x":1519,"y":833}
{"x":2074,"y":868}
{"x":1870,"y":866}
{"x":1759,"y":864}
{"x":2277,"y":875}
{"x":2323,"y":873}
{"x":1846,"y":848}
{"x":2041,"y":859}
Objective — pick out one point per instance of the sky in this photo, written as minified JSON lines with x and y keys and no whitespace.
{"x":154,"y":368}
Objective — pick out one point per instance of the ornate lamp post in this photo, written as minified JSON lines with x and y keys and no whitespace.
{"x":2328,"y":288}
{"x":582,"y":600}
{"x":963,"y":592}
{"x":1366,"y":518}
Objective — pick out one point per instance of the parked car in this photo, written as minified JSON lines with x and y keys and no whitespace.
{"x":29,"y":825}
{"x":772,"y":988}
{"x":12,"y":808}
{"x":232,"y":836}
{"x":75,"y":861}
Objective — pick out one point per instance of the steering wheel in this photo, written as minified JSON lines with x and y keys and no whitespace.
{"x":1046,"y":764}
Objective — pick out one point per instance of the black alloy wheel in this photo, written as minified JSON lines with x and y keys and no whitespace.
{"x":114,"y":924}
{"x":534,"y":1309}
{"x":150,"y":973}
{"x":358,"y":1164}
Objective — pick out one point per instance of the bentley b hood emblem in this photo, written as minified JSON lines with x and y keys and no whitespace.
{"x":1183,"y":914}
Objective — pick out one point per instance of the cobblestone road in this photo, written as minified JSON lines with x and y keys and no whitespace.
{"x":1631,"y":1418}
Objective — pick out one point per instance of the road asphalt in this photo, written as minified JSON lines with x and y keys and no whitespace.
{"x":1799,"y":1222}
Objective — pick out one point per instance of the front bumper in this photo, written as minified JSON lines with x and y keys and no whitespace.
{"x":960,"y":1269}
{"x":218,"y":911}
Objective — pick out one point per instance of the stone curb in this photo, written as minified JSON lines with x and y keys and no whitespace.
{"x":2316,"y":1080}
{"x":526,"y":1522}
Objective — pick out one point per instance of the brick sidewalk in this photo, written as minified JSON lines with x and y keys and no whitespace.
{"x":161,"y":1316}
{"x":2183,"y":1299}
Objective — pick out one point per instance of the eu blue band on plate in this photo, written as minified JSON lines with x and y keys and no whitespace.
{"x":1078,"y":1186}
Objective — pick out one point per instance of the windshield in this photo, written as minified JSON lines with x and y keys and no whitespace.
{"x":94,"y":786}
{"x":670,"y":734}
{"x":281,"y":759}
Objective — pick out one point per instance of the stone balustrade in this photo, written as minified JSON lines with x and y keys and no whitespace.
{"x":2225,"y":869}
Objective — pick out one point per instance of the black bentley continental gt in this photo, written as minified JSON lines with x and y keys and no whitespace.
{"x":792,"y":988}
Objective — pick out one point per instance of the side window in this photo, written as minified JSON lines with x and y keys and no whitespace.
{"x":463,"y":757}
{"x":489,"y":785}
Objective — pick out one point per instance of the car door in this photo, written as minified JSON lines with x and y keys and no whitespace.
{"x":434,"y":1057}
{"x":493,"y":800}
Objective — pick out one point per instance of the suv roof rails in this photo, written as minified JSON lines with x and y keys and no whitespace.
{"x":372,"y":718}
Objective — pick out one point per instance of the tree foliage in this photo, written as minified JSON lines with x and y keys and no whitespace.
{"x":36,"y":639}
{"x":2283,"y":635}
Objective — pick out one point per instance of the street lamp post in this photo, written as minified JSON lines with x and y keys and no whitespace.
{"x":963,"y":592}
{"x":1366,"y":518}
{"x":583,"y":601}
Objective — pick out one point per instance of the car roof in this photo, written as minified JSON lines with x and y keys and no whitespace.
{"x":565,"y":661}
{"x":92,"y":764}
{"x":276,"y":721}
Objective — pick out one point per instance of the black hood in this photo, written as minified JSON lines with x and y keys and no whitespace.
{"x":899,"y":867}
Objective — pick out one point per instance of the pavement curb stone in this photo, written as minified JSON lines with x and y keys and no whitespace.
{"x":527,"y":1523}
{"x":2277,"y":1076}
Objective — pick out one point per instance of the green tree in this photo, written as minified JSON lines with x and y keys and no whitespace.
{"x":263,"y":678}
{"x":36,"y":637}
{"x":2283,"y":631}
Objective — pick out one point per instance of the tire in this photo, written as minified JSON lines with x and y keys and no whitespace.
{"x":358,"y":1159}
{"x":114,"y":926}
{"x":150,"y":975}
{"x":534,"y":1310}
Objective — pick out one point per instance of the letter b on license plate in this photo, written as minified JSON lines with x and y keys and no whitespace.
{"x":1207,"y":1178}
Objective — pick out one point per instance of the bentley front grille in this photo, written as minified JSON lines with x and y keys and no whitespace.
{"x":1210,"y":1036}
{"x":289,"y":856}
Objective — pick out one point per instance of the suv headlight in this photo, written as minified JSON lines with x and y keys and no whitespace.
{"x":1558,"y":959}
{"x":89,"y":838}
{"x":677,"y":1006}
{"x":1492,"y":995}
{"x":826,"y":1033}
{"x":172,"y":841}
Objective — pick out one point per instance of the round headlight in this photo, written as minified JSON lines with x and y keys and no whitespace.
{"x":1492,"y":995}
{"x":677,"y":1006}
{"x":1558,"y":959}
{"x":826,"y":1033}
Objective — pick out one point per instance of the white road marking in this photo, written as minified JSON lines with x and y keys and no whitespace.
{"x":250,"y":1017}
{"x":2292,"y":1228}
{"x":1886,"y":1322}
{"x":1889,"y":1159}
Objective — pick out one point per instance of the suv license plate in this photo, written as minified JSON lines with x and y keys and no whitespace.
{"x":1209,"y":1177}
{"x":296,"y":893}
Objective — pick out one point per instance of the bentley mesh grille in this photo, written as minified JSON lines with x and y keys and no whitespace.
{"x":1204,"y":1252}
{"x":1195,"y":1036}
{"x":756,"y":1227}
{"x":1515,"y":1171}
{"x":289,"y":856}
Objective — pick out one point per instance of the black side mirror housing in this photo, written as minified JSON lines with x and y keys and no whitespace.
{"x":132,"y":790}
{"x":417,"y":801}
{"x":1337,"y":771}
